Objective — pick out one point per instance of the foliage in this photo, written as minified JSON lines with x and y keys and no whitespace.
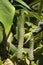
{"x":6,"y":14}
{"x":21,"y":32}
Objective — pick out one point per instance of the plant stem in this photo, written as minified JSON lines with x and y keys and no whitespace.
{"x":20,"y":34}
{"x":31,"y":56}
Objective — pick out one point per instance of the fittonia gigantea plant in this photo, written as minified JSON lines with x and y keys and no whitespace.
{"x":31,"y":38}
{"x":20,"y":24}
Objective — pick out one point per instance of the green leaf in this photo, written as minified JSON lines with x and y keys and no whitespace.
{"x":7,"y":12}
{"x":1,"y":62}
{"x":1,"y":34}
{"x":13,"y":48}
{"x":23,"y":3}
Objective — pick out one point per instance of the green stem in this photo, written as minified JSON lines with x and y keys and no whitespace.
{"x":31,"y":56}
{"x":20,"y":34}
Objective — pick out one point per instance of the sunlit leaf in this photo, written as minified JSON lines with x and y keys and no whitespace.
{"x":7,"y":12}
{"x":8,"y":62}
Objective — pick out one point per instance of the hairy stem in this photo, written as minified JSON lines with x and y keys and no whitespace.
{"x":20,"y":34}
{"x":31,"y":56}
